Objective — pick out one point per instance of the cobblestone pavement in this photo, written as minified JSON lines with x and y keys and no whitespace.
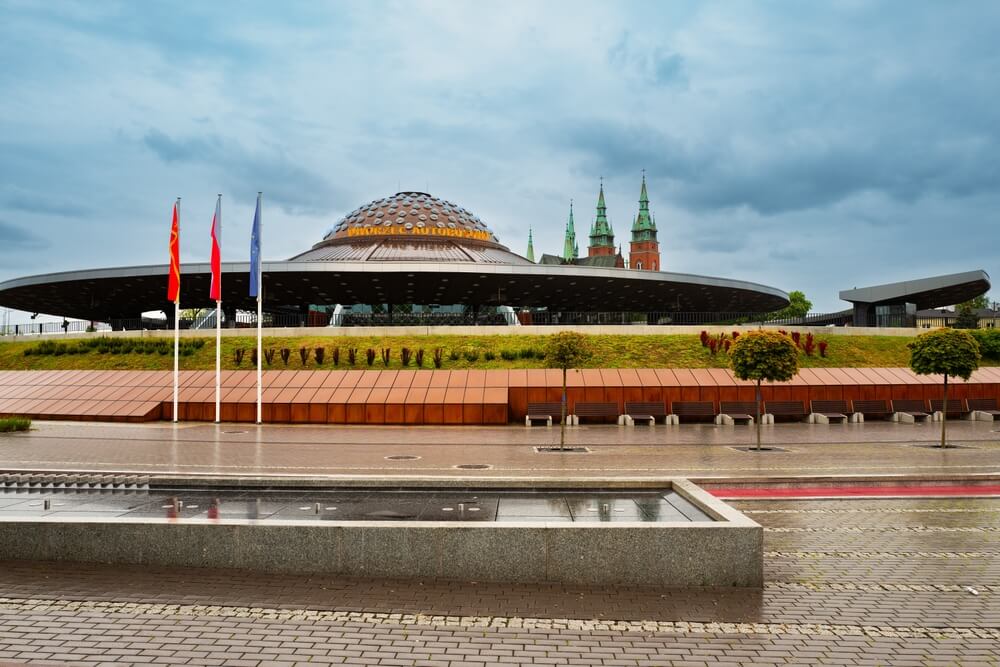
{"x":690,"y":450}
{"x":849,"y":582}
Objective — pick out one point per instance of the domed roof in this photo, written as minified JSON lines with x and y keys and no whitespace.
{"x":410,"y":226}
{"x":411,"y":214}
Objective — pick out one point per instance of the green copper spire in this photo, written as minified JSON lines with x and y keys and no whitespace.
{"x":601,"y":234}
{"x":531,"y":247}
{"x":570,"y":251}
{"x":644,"y":226}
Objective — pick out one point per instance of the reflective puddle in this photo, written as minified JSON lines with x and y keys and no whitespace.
{"x":354,"y":505}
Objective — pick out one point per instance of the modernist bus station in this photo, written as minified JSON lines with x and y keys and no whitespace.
{"x":435,"y":517}
{"x":412,"y":257}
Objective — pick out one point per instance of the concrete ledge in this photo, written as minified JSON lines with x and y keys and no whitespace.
{"x":532,"y":330}
{"x":725,"y":552}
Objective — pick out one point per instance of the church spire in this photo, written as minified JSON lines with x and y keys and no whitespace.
{"x":644,"y":250}
{"x":569,"y":244}
{"x":644,"y":226}
{"x":531,"y":247}
{"x":602,"y":238}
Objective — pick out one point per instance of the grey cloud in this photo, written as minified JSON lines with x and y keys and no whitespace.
{"x":45,"y":203}
{"x":15,"y":238}
{"x":181,"y":150}
{"x":656,"y":65}
{"x":783,"y":175}
{"x":292,"y":187}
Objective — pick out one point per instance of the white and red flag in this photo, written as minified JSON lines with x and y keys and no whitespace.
{"x":215,"y":291}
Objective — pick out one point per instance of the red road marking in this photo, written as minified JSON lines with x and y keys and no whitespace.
{"x":847,"y":491}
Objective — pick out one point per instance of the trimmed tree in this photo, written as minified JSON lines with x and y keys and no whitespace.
{"x":944,"y":352}
{"x":764,"y":356}
{"x":565,"y":350}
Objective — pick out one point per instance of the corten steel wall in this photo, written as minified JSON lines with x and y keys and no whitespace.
{"x":434,"y":396}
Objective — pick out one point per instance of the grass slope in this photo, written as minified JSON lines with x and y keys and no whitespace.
{"x":611,"y":351}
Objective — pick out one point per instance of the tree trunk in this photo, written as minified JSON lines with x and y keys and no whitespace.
{"x":758,"y":415}
{"x":944,"y":412}
{"x":562,"y":422}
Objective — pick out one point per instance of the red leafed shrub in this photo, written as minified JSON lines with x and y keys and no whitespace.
{"x":713,"y":346}
{"x":782,"y":332}
{"x":822,"y":348}
{"x":810,"y":345}
{"x":704,"y":338}
{"x":736,"y":334}
{"x":796,"y":337}
{"x":727,"y":344}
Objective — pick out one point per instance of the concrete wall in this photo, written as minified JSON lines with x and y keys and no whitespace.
{"x":631,"y":330}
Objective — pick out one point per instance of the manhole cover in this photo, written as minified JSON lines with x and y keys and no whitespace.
{"x":473,"y":466}
{"x":562,"y":450}
{"x":402,"y":457}
{"x":763,"y":448}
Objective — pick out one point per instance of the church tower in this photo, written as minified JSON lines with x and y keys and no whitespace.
{"x":602,"y":237}
{"x":531,"y":248}
{"x":644,"y":250}
{"x":570,"y":249}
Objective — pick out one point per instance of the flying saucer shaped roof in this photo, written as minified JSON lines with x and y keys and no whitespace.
{"x":407,"y":248}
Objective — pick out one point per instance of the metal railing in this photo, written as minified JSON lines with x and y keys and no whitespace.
{"x":403,"y":317}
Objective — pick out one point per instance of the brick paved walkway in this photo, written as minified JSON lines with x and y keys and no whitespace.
{"x":849,"y":582}
{"x":690,"y":450}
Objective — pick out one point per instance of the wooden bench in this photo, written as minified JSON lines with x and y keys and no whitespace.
{"x":823,"y":412}
{"x":596,"y":410}
{"x":543,"y":412}
{"x":733,"y":412}
{"x":642,"y":412}
{"x":909,"y":410}
{"x":983,"y":409}
{"x":693,"y":409}
{"x":871,"y":408}
{"x":791,"y":409}
{"x":956,"y":407}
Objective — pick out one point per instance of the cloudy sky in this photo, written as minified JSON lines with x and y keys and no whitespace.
{"x":812,"y":146}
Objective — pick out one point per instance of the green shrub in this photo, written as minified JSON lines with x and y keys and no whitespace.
{"x":527,"y":353}
{"x":471,"y":356}
{"x":489,"y":355}
{"x":508,"y":355}
{"x":454,"y":355}
{"x":989,"y":342}
{"x":10,"y":424}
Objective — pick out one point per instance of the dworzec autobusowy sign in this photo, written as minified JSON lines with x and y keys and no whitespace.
{"x":396,"y":230}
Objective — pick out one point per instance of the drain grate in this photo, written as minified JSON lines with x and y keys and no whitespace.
{"x":402,"y":457}
{"x":71,"y":481}
{"x":473,"y":466}
{"x":556,"y":449}
{"x":233,"y":432}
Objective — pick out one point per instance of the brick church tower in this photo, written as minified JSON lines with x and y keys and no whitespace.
{"x":644,"y":249}
{"x":602,"y":237}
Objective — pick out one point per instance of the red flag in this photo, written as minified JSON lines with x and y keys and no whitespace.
{"x":174,"y":280}
{"x":215,"y":291}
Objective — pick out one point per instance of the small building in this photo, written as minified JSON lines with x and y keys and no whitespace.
{"x":897,"y":304}
{"x":933,"y":318}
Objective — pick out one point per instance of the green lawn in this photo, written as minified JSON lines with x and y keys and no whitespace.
{"x":611,"y":351}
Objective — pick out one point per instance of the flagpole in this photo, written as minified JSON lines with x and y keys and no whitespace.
{"x":260,"y":313}
{"x":218,"y":322}
{"x":177,"y":324}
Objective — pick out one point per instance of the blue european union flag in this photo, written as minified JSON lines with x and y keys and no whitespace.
{"x":255,"y":252}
